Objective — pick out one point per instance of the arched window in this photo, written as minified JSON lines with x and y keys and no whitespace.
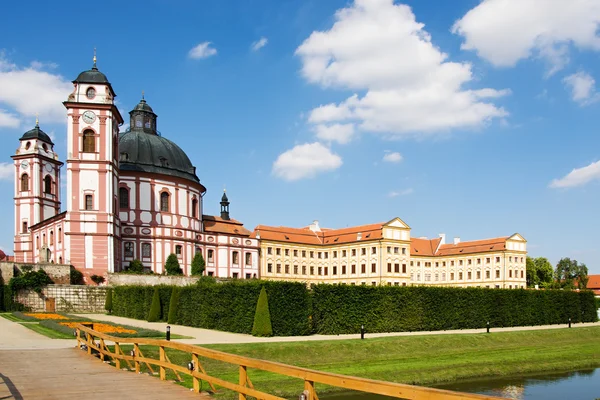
{"x":123,"y":198}
{"x":24,"y":183}
{"x":194,"y":208}
{"x":60,"y":236}
{"x":89,"y":141}
{"x":164,"y":201}
{"x":60,"y":260}
{"x":48,"y":184}
{"x":51,"y":238}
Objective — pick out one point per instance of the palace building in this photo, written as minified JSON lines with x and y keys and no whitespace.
{"x":130,"y":195}
{"x":386,"y":254}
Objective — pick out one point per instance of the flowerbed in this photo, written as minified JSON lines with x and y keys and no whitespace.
{"x":103,"y":328}
{"x":45,"y":316}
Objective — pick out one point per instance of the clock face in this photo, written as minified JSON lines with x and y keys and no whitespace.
{"x":24,"y":164}
{"x":48,"y":167}
{"x":89,"y":117}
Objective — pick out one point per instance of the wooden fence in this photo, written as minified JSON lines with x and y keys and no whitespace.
{"x":97,"y":341}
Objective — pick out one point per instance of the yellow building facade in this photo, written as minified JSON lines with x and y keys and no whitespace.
{"x":385,"y":254}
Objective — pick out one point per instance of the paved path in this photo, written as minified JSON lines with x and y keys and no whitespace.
{"x":14,"y":336}
{"x":206,"y":336}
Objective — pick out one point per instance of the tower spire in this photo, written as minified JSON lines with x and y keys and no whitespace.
{"x":94,"y":67}
{"x":224,"y":206}
{"x":37,"y":120}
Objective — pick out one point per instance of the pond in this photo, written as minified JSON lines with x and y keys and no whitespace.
{"x":579,"y":385}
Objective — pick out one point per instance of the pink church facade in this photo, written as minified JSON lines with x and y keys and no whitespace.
{"x":129,"y":195}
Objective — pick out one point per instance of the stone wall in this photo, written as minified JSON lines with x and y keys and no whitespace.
{"x":68,"y":298}
{"x":59,"y":273}
{"x":150,"y":280}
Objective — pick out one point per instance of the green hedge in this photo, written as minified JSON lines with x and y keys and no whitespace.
{"x":341,"y":309}
{"x":228,"y":306}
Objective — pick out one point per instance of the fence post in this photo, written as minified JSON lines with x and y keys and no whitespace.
{"x":195,"y":380}
{"x":117,"y":354}
{"x":136,"y":350}
{"x":89,"y":342}
{"x":309,"y":386}
{"x":78,"y":334}
{"x":163,"y":374}
{"x":243,"y":380}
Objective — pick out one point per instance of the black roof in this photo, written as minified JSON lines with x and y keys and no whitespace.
{"x":37,"y":133}
{"x":92,"y":76}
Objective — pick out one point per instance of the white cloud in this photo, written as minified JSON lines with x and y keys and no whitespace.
{"x":259,"y":44}
{"x":393,"y":157}
{"x":583,"y":87}
{"x":30,"y":90}
{"x":506,"y":31}
{"x":341,"y":133}
{"x":404,"y":192}
{"x":203,"y":50}
{"x":578,"y":177}
{"x":124,"y":128}
{"x":7,"y":171}
{"x":305,"y":161}
{"x":377,"y":47}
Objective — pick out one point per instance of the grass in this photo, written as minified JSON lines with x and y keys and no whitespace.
{"x":420,"y":360}
{"x":48,"y":332}
{"x":12,"y":317}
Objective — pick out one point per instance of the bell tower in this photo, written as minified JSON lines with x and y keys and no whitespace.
{"x":92,"y":223}
{"x":37,"y":188}
{"x":225,"y":206}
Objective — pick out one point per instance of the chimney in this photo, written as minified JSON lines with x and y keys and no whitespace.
{"x":315,"y":226}
{"x":456,"y":240}
{"x":443,"y":237}
{"x":359,"y":236}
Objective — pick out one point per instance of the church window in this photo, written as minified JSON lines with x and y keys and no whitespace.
{"x":59,"y":235}
{"x":146,"y":250}
{"x":210,"y":255}
{"x":89,"y":141}
{"x":89,"y":202}
{"x":90,"y":93}
{"x":128,"y":249}
{"x":178,"y":250}
{"x":51,"y":238}
{"x":164,"y":201}
{"x":248,"y":258}
{"x":24,"y":183}
{"x":194,"y":208}
{"x":27,"y":145}
{"x":48,"y":184}
{"x":60,"y":260}
{"x":123,"y":198}
{"x":25,"y":227}
{"x":235,"y":257}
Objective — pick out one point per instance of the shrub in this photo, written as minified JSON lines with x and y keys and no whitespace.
{"x":97,"y":279}
{"x":108,"y":303}
{"x":32,"y":280}
{"x":198,"y":264}
{"x":172,"y":265}
{"x":76,"y":277}
{"x":154,"y":314}
{"x":173,"y":302}
{"x":135,"y":267}
{"x":262,"y":317}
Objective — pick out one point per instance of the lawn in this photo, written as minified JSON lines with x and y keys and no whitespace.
{"x":421,"y":360}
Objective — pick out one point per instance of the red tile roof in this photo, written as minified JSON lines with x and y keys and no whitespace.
{"x":214,"y":224}
{"x":424,"y":247}
{"x":594,"y":283}
{"x":474,"y":246}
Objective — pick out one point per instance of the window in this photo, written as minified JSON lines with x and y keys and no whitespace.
{"x":389,"y":267}
{"x":363,"y":269}
{"x":373,"y":283}
{"x":487,"y":260}
{"x":210,"y":273}
{"x":194,"y":208}
{"x":443,"y":263}
{"x":451,"y":276}
{"x":469,"y":261}
{"x":48,"y":184}
{"x":389,"y":249}
{"x":51,"y":238}
{"x":146,"y":250}
{"x":498,"y":273}
{"x":123,"y":157}
{"x":335,"y":254}
{"x":412,"y":263}
{"x":278,"y":251}
{"x":437,"y":264}
{"x":403,"y":268}
{"x":287,"y":268}
{"x":353,"y":268}
{"x":24,"y":183}
{"x":312,"y":254}
{"x":234,"y":275}
{"x":128,"y":249}
{"x":373,"y":250}
{"x":460,"y":276}
{"x":353,"y":252}
{"x":443,"y":276}
{"x":460,"y":262}
{"x":304,"y":270}
{"x":89,"y":141}
{"x":89,"y":202}
{"x":343,"y":253}
{"x":478,"y":274}
{"x":248,"y":276}
{"x":418,"y":263}
{"x":269,"y":268}
{"x":295,"y":270}
{"x":343,"y":270}
{"x":521,"y":274}
{"x":436,"y":277}
{"x":334,"y":270}
{"x":278,"y":268}
{"x":510,"y":273}
{"x":319,"y":255}
{"x":320,"y":269}
{"x":235,"y":257}
{"x":373,"y":268}
{"x":397,"y":268}
{"x":178,"y":250}
{"x":287,"y":252}
{"x":123,"y":198}
{"x":452,"y":263}
{"x":312,"y":270}
{"x":295,"y":253}
{"x":248,"y":258}
{"x":210,"y":255}
{"x":25,"y":227}
{"x":164,"y":201}
{"x":497,"y":259}
{"x":304,"y":253}
{"x":90,"y":93}
{"x":326,"y":255}
{"x":404,"y":250}
{"x":487,"y":274}
{"x":469,"y":275}
{"x":269,"y":250}
{"x":396,"y":249}
{"x":363,"y":251}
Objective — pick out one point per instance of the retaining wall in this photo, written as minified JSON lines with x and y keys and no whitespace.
{"x":150,"y":280}
{"x":59,"y":273}
{"x":68,"y":298}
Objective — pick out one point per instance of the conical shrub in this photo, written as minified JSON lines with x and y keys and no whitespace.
{"x":262,"y":317}
{"x":154,"y":314}
{"x":108,"y":303}
{"x":173,"y":303}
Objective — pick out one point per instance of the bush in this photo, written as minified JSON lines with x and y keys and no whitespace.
{"x":173,"y":302}
{"x":108,"y":303}
{"x":32,"y":280}
{"x":198,"y":264}
{"x":76,"y":277}
{"x":172,"y":265}
{"x":262,"y":317}
{"x":155,"y":309}
{"x":135,"y":267}
{"x":97,"y":279}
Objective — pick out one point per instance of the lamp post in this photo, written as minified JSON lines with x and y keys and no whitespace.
{"x":168,"y":332}
{"x":488,"y":326}
{"x":569,"y":322}
{"x":362,"y":331}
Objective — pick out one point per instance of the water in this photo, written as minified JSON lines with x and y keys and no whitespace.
{"x":580,"y":385}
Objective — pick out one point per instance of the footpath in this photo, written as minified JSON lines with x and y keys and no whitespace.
{"x":207,"y":336}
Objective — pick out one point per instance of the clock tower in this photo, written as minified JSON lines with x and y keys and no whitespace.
{"x":92,"y":226}
{"x":37,"y":187}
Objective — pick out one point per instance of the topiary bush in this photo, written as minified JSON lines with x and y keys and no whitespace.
{"x":198,"y":264}
{"x":173,"y":302}
{"x":172,"y":265}
{"x":75,"y":276}
{"x":155,"y":309}
{"x":108,"y":303}
{"x":135,"y":267}
{"x":262,"y":317}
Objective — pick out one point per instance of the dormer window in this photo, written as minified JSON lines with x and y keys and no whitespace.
{"x":90,"y":93}
{"x":123,"y":157}
{"x":163,"y":162}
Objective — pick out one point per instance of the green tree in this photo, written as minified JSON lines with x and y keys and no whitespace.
{"x":154,"y":313}
{"x":108,"y":304}
{"x":198,"y":264}
{"x":172,"y":265}
{"x":262,"y":316}
{"x":76,"y":277}
{"x":173,"y":303}
{"x":531,"y":272}
{"x":135,"y":267}
{"x":570,"y":273}
{"x":544,"y":272}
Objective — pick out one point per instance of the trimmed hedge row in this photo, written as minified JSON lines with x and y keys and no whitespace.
{"x":339,"y":309}
{"x":343,"y":309}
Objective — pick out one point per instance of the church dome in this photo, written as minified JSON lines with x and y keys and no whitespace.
{"x":91,"y":76}
{"x":142,"y":148}
{"x":37,"y":133}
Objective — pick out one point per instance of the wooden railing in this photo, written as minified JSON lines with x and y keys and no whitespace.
{"x":97,"y":341}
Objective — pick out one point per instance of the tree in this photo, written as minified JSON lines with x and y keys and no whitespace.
{"x":172,"y":265}
{"x":97,"y":279}
{"x":76,"y":277}
{"x":198,"y":264}
{"x":544,"y":272}
{"x":135,"y":267}
{"x":262,"y":316}
{"x":172,"y":316}
{"x":531,"y":272}
{"x":570,"y":273}
{"x":108,"y":305}
{"x":154,"y":314}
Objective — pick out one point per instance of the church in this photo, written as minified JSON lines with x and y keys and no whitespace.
{"x":130,"y":195}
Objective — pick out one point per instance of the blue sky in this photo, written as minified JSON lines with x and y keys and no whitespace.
{"x":474,"y":119}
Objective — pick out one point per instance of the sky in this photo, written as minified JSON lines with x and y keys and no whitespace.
{"x":476,"y":119}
